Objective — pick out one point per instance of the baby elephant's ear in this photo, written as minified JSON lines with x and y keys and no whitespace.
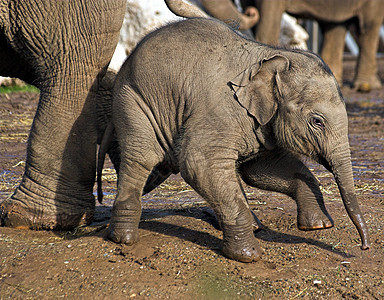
{"x":255,"y":87}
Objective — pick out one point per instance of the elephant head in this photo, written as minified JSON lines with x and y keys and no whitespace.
{"x":301,"y":104}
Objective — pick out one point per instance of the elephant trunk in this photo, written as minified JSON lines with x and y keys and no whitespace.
{"x":227,"y":11}
{"x":184,"y":9}
{"x":341,"y":167}
{"x":222,"y":10}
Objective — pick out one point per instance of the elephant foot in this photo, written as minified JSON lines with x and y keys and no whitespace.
{"x":14,"y":214}
{"x":311,"y":221}
{"x":240,"y":245}
{"x":365,"y":86}
{"x":128,"y":236}
{"x":33,"y":206}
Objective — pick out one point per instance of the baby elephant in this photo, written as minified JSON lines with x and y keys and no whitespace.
{"x":196,"y":97}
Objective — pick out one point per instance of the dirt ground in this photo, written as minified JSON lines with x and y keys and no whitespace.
{"x":178,"y":254}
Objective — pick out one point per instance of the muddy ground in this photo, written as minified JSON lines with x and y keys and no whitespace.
{"x":178,"y":254}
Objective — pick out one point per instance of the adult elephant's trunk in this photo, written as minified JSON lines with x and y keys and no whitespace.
{"x":224,"y":10}
{"x":341,"y":167}
{"x":184,"y":9}
{"x":227,"y":11}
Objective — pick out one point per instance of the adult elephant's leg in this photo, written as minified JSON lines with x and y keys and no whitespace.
{"x":268,"y":28}
{"x":282,"y":172}
{"x":217,"y":182}
{"x":366,"y":76}
{"x":57,"y":187}
{"x":333,"y":48}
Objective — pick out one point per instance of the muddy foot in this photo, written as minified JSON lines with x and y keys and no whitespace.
{"x":13,"y":214}
{"x":312,"y":221}
{"x":122,"y":235}
{"x":239,"y":244}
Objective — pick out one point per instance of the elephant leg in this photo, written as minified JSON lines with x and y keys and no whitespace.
{"x":268,"y":28}
{"x":140,"y":153}
{"x":217,"y":182}
{"x":126,"y":212}
{"x":333,"y":48}
{"x":366,"y":76}
{"x":65,"y":58}
{"x":281,"y":171}
{"x":56,"y":191}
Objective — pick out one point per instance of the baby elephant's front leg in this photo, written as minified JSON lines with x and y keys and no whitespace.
{"x":282,"y":172}
{"x":239,"y":242}
{"x":220,"y":187}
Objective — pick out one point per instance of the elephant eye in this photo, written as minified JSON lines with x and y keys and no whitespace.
{"x":316,"y":121}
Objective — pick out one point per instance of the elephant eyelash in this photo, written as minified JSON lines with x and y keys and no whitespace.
{"x":317,"y":122}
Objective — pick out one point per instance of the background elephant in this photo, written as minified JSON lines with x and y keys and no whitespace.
{"x":214,"y":106}
{"x":334,"y":17}
{"x":63,"y":48}
{"x":226,"y":11}
{"x":142,"y":17}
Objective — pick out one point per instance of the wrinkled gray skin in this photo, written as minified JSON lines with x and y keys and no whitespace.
{"x":334,"y":17}
{"x":63,"y":48}
{"x":197,"y":98}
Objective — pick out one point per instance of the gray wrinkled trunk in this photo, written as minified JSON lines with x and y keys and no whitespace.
{"x":342,"y":171}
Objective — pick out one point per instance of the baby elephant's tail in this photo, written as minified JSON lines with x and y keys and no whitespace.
{"x":107,"y":138}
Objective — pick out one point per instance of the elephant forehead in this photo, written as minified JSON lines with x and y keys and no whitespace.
{"x":321,"y":89}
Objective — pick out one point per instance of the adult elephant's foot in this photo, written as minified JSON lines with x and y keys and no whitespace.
{"x":35,"y":207}
{"x":240,"y":244}
{"x":365,"y":85}
{"x":122,"y":234}
{"x":314,"y":221}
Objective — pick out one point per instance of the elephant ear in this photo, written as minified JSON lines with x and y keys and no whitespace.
{"x":256,"y":87}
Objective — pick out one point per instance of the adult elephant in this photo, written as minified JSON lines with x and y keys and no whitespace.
{"x":334,"y":17}
{"x":225,"y":10}
{"x":63,"y":48}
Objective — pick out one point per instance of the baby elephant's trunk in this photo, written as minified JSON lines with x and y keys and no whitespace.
{"x":341,"y":168}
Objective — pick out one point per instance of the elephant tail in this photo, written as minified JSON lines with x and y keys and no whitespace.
{"x":107,"y":138}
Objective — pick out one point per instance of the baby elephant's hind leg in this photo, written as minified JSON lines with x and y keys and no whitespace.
{"x":126,"y":210}
{"x":281,"y":171}
{"x":140,"y":153}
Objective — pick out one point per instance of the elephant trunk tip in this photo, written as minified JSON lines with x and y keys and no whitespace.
{"x":363,"y":232}
{"x":365,"y":246}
